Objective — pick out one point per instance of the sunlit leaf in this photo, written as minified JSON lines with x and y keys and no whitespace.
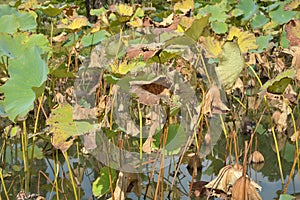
{"x":64,"y":129}
{"x":281,"y":16}
{"x":184,"y":6}
{"x":212,"y":46}
{"x":217,"y":11}
{"x":78,"y":23}
{"x":249,"y":7}
{"x":52,"y":11}
{"x":9,"y":24}
{"x":220,"y":27}
{"x":25,"y":74}
{"x":101,"y":185}
{"x":230,"y":66}
{"x":125,"y":10}
{"x":246,"y":40}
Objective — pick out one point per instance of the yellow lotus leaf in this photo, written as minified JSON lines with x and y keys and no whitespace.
{"x":186,"y":22}
{"x":125,"y":10}
{"x":246,"y":40}
{"x":230,"y":66}
{"x":96,"y":28}
{"x":212,"y":46}
{"x":137,"y":22}
{"x":124,"y":67}
{"x":184,"y":6}
{"x":78,"y":22}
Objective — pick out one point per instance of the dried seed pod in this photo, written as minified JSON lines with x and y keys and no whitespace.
{"x":256,"y":157}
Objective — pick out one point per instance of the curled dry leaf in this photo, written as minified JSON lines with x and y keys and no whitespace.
{"x":244,"y":186}
{"x":150,"y":92}
{"x":226,"y":178}
{"x":213,"y":103}
{"x":296,"y":61}
{"x":256,"y":157}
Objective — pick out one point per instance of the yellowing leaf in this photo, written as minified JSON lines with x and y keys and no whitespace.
{"x":137,"y":22}
{"x":78,"y":22}
{"x":124,"y":67}
{"x":186,"y":22}
{"x":230,"y":66}
{"x":212,"y":46}
{"x":246,"y":40}
{"x":125,"y":10}
{"x":184,"y":6}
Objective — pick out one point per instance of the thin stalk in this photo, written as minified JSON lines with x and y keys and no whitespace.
{"x":35,"y":130}
{"x":25,"y":156}
{"x":141,"y":131}
{"x":71,"y":174}
{"x":3,"y":184}
{"x":223,"y":127}
{"x":296,"y":158}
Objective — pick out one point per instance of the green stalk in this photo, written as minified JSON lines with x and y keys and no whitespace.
{"x":3,"y":184}
{"x":24,"y":140}
{"x":141,"y":131}
{"x":71,"y":174}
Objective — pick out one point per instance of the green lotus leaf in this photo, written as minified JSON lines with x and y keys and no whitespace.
{"x":259,"y":21}
{"x":64,"y":128}
{"x":281,"y":16}
{"x":175,"y":141}
{"x":26,"y":71}
{"x":220,"y":27}
{"x":101,"y":185}
{"x":249,"y":8}
{"x":93,"y":39}
{"x":9,"y":24}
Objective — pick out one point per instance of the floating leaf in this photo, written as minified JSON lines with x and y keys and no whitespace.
{"x":281,"y":16}
{"x":248,"y":7}
{"x":230,"y":66}
{"x":101,"y":185}
{"x":286,"y":197}
{"x":246,"y":40}
{"x":184,"y":6}
{"x":64,"y":129}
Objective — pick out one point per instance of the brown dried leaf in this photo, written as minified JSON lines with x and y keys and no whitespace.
{"x":226,"y":178}
{"x":296,"y":61}
{"x":238,"y":190}
{"x":150,"y":92}
{"x":293,"y":32}
{"x":213,"y":103}
{"x":256,"y":157}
